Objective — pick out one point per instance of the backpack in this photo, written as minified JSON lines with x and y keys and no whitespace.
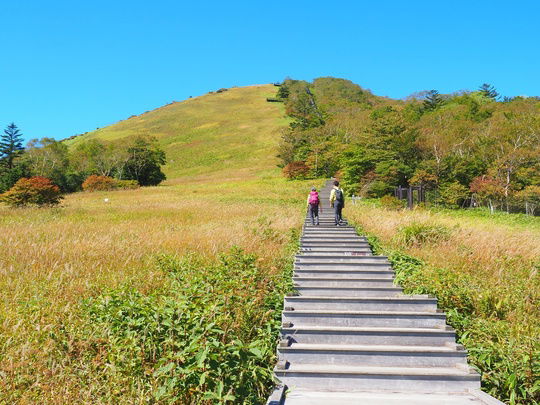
{"x":314,"y":198}
{"x":339,"y":196}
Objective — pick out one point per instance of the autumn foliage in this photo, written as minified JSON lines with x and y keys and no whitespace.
{"x":487,"y":188}
{"x":37,"y":190}
{"x":106,"y":183}
{"x":98,"y":183}
{"x":296,"y":170}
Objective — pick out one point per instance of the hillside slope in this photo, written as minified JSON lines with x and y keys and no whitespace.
{"x":236,"y":129}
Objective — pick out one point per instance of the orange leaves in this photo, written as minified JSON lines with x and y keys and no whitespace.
{"x":106,"y":183}
{"x":99,"y":183}
{"x":36,"y":190}
{"x":296,"y":170}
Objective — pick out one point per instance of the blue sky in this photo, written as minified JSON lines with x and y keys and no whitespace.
{"x":69,"y":67}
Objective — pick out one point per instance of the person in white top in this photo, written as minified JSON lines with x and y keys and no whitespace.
{"x":337,"y":201}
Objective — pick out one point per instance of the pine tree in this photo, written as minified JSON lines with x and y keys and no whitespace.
{"x":433,"y":100}
{"x":283,"y":92}
{"x":11,"y":145}
{"x":488,"y":91}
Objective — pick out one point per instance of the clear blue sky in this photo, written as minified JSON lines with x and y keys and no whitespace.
{"x":70,"y":66}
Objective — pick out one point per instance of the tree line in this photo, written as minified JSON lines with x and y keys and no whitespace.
{"x":461,"y":145}
{"x":140,"y":159}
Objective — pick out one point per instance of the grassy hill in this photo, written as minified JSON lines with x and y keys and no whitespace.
{"x":236,"y":129}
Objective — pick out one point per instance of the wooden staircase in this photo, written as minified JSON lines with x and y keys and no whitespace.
{"x":350,"y":335}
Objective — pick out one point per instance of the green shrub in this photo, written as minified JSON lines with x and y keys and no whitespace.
{"x":208,"y":337}
{"x":379,"y":188}
{"x":417,"y":234}
{"x":392,"y":203}
{"x":452,"y":195}
{"x":127,"y":184}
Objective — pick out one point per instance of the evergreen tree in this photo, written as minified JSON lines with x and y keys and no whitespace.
{"x":10,"y":145}
{"x":433,"y":100}
{"x":283,"y":91}
{"x":489,"y":91}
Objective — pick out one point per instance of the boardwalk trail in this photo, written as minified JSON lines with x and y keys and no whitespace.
{"x":350,"y":335}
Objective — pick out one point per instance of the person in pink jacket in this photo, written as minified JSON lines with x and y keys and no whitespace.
{"x":313,"y":203}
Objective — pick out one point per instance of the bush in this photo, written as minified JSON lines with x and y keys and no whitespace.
{"x":392,"y":203}
{"x":296,"y":170}
{"x":37,"y":190}
{"x":208,"y":336}
{"x":99,"y":183}
{"x":379,"y":188}
{"x":417,"y":234}
{"x":105,"y":183}
{"x":127,"y":184}
{"x":452,"y":195}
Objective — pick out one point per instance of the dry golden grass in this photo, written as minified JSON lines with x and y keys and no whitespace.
{"x":476,"y":245}
{"x":50,"y":259}
{"x":500,"y":254}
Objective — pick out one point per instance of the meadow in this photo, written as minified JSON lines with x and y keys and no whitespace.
{"x":484,"y":269}
{"x":167,"y":294}
{"x":59,"y":265}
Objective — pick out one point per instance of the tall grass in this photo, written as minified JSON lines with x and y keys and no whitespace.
{"x":485,"y":274}
{"x":54,"y":349}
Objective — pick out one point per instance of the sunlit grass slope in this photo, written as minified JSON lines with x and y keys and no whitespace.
{"x":234,"y":129}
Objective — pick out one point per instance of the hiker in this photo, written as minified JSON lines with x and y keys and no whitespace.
{"x":337,"y":201}
{"x":313,"y":203}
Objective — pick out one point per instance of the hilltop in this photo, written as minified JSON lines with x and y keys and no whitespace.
{"x":236,"y":129}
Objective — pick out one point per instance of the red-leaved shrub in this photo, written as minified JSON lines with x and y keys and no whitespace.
{"x":296,"y":170}
{"x":36,"y":190}
{"x":99,"y":183}
{"x":106,"y":183}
